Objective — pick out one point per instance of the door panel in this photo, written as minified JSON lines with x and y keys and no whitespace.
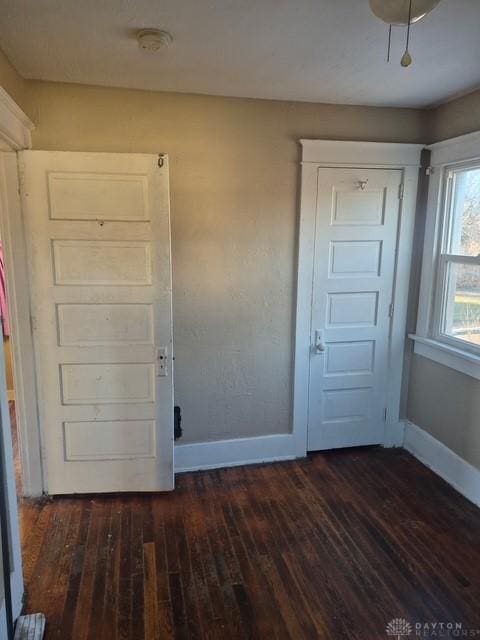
{"x":98,"y":239}
{"x":355,"y":244}
{"x":92,"y":262}
{"x":89,"y":325}
{"x":93,"y":196}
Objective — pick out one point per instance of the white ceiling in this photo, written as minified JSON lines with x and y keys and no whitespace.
{"x":309,"y":50}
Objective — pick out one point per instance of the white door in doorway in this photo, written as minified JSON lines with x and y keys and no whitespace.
{"x":355,"y":246}
{"x":98,"y":240}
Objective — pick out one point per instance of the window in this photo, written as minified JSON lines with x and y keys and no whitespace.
{"x":457,"y":298}
{"x":448,"y":323}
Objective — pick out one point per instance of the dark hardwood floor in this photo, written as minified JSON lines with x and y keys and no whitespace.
{"x":333,"y":546}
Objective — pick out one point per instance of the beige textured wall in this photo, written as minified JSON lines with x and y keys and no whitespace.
{"x":12,"y":82}
{"x":443,"y":401}
{"x":455,"y":118}
{"x":234,"y":216}
{"x":234,"y":179}
{"x":446,"y":403}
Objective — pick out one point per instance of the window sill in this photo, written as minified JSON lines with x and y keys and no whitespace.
{"x":449,"y":356}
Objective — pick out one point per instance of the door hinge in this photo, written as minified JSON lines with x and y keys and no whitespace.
{"x":401,"y":189}
{"x":391,"y":309}
{"x":429,"y":171}
{"x":385,"y":414}
{"x":177,"y":421}
{"x":21,"y":178}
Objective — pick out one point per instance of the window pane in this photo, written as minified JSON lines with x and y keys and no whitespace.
{"x":462,"y":304}
{"x":465,"y":229}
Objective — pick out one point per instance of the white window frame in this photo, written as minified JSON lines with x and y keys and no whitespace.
{"x":430,"y":341}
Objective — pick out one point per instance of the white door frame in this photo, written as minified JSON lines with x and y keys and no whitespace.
{"x":347,"y":154}
{"x":15,"y":130}
{"x":15,"y":135}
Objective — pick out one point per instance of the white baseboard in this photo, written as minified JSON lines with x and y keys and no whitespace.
{"x":464,"y":477}
{"x":394,"y":434}
{"x":239,"y":451}
{"x":232,"y":453}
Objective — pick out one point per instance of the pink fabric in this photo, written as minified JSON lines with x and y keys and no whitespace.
{"x":3,"y":296}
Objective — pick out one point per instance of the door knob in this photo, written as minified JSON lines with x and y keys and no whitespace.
{"x":319,"y":344}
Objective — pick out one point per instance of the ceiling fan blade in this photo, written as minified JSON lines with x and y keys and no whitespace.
{"x":395,"y":12}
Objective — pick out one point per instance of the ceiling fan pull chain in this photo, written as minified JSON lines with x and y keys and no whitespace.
{"x":406,"y":60}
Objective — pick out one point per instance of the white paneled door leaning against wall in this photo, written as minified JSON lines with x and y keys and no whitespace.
{"x":357,"y":218}
{"x":98,"y":240}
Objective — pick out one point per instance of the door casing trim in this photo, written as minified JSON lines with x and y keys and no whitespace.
{"x":349,"y":154}
{"x":15,"y":135}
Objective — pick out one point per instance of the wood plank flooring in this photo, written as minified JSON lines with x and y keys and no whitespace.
{"x":333,"y":546}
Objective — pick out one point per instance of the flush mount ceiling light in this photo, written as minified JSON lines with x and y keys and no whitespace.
{"x":153,"y":39}
{"x":401,"y":13}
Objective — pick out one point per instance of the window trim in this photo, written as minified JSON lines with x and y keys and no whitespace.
{"x":440,"y":299}
{"x":447,"y":156}
{"x":447,"y":355}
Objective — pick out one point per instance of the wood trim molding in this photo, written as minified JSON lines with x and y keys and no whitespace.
{"x":15,"y":134}
{"x":447,"y":355}
{"x":460,"y":474}
{"x":459,"y":149}
{"x":11,"y":226}
{"x":330,"y":153}
{"x":347,"y":153}
{"x":15,"y":125}
{"x":455,"y":152}
{"x":233,"y":453}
